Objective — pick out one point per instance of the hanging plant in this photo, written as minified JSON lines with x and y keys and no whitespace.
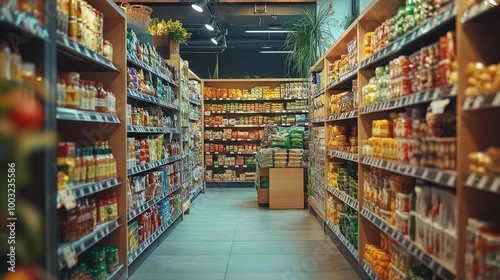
{"x":308,"y":40}
{"x":173,"y":29}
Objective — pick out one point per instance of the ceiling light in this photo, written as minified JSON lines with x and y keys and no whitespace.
{"x":217,"y":40}
{"x":199,"y":5}
{"x":268,"y":31}
{"x":275,"y":52}
{"x":267,"y":47}
{"x":211,"y":26}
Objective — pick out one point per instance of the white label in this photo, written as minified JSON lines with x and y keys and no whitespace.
{"x":67,"y":198}
{"x":69,"y":255}
{"x":496,"y":100}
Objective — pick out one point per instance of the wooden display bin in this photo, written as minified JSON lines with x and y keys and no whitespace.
{"x":262,"y":194}
{"x":286,"y":188}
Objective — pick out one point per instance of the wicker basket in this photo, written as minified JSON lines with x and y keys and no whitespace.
{"x":141,"y":13}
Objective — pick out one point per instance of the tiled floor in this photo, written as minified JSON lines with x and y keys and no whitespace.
{"x":228,"y":237}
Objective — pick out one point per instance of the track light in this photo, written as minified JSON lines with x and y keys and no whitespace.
{"x":211,"y":26}
{"x":224,"y":43}
{"x":218,"y":39}
{"x":199,"y":5}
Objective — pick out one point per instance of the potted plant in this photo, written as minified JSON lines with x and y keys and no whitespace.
{"x":309,"y":37}
{"x":173,"y":29}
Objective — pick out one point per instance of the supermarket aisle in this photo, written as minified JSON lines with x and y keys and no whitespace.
{"x":227,"y":237}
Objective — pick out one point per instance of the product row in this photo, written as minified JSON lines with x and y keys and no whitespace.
{"x":344,"y":218}
{"x":284,"y":137}
{"x":346,"y":63}
{"x":229,"y":176}
{"x":144,"y":188}
{"x":145,"y":150}
{"x":285,"y":90}
{"x":280,"y":158}
{"x":317,"y":106}
{"x":432,"y":66}
{"x":296,"y":105}
{"x":95,"y":264}
{"x":343,"y":138}
{"x":220,"y":148}
{"x":145,"y":83}
{"x":343,"y":175}
{"x":89,"y":212}
{"x":345,"y":101}
{"x":147,"y":54}
{"x":76,"y":93}
{"x":390,"y":261}
{"x":151,"y":220}
{"x":150,"y":117}
{"x":482,"y":79}
{"x":257,"y":120}
{"x":220,"y":160}
{"x":414,"y":13}
{"x":85,"y":163}
{"x":194,"y":90}
{"x":482,"y":249}
{"x":79,"y":21}
{"x":412,"y":139}
{"x":229,"y":133}
{"x":403,"y":203}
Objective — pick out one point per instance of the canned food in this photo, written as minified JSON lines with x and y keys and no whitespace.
{"x":73,"y":28}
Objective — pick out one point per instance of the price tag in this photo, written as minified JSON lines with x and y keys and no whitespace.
{"x":496,"y":100}
{"x":482,"y":183}
{"x":470,"y":180}
{"x":495,"y":186}
{"x":478,"y":102}
{"x":69,"y":256}
{"x":67,"y":198}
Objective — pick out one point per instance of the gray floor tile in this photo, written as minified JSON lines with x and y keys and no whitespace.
{"x":291,"y":275}
{"x":184,"y":264}
{"x":179,"y":276}
{"x":286,"y":263}
{"x":193,"y":248}
{"x":304,"y":247}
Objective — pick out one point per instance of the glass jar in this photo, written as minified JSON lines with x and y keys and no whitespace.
{"x":108,"y":50}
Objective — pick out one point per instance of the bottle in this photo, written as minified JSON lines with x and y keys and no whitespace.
{"x":73,"y":90}
{"x":98,"y":163}
{"x":83,"y":169}
{"x":5,"y":61}
{"x":78,"y":221}
{"x":110,"y":102}
{"x":84,"y":97}
{"x":93,"y":206}
{"x":113,"y":172}
{"x":112,"y":207}
{"x":61,"y":92}
{"x":105,"y":161}
{"x":92,"y":96}
{"x":100,"y":100}
{"x":91,"y":165}
{"x":78,"y":167}
{"x":88,"y":217}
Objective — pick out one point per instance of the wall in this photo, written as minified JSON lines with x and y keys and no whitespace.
{"x":363,"y":4}
{"x":237,"y":64}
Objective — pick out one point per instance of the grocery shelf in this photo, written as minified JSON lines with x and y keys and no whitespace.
{"x":135,"y":94}
{"x":258,"y":112}
{"x":343,"y":116}
{"x":195,"y":102}
{"x":485,"y":101}
{"x":318,"y":120}
{"x":400,"y":45}
{"x":87,"y":241}
{"x":23,"y":24}
{"x":231,"y":140}
{"x":237,"y":125}
{"x":147,"y":129}
{"x":81,"y":55}
{"x":196,"y":192}
{"x":133,"y":256}
{"x":371,"y":273}
{"x":317,"y":207}
{"x":253,"y":99}
{"x":318,"y":93}
{"x":414,"y":99}
{"x":221,"y":181}
{"x":152,"y":165}
{"x":430,"y":261}
{"x":343,"y":239}
{"x":231,"y":153}
{"x":292,"y":124}
{"x":231,"y":166}
{"x":139,"y":210}
{"x":134,"y":61}
{"x":116,"y":274}
{"x":351,"y":202}
{"x":441,"y":177}
{"x":489,"y":183}
{"x":342,"y":155}
{"x":68,"y":114}
{"x":477,"y":11}
{"x":87,"y":189}
{"x":194,"y":119}
{"x":343,"y":79}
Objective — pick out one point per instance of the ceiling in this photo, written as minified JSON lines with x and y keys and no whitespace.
{"x":233,"y":19}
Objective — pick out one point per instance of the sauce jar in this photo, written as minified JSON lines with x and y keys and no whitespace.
{"x":108,"y":50}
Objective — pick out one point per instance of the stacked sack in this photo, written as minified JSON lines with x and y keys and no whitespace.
{"x":264,"y":158}
{"x":296,"y":137}
{"x":280,"y":158}
{"x":295,"y":158}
